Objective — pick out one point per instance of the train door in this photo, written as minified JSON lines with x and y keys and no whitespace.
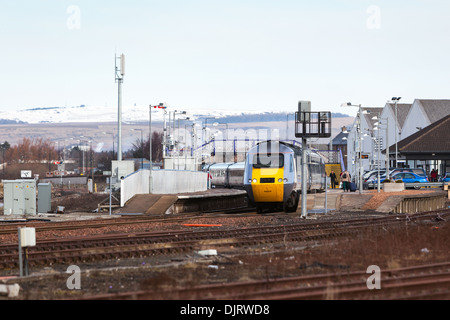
{"x":298,"y":162}
{"x":294,"y":169}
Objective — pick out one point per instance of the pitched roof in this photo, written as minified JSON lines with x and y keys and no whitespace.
{"x":339,"y":139}
{"x":433,"y":138}
{"x":371,"y":113}
{"x":435,"y":109}
{"x":402,"y":111}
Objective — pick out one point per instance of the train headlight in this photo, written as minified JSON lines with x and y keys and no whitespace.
{"x":280,"y":180}
{"x":285,"y":180}
{"x":254,"y":180}
{"x":249,"y":180}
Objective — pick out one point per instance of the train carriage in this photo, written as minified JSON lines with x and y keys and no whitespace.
{"x":227,"y":175}
{"x":219,"y":174}
{"x":236,"y":175}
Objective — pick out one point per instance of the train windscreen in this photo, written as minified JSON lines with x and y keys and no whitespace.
{"x":265,"y":160}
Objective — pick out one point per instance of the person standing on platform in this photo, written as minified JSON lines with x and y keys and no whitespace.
{"x":346,"y":178}
{"x":333,"y":179}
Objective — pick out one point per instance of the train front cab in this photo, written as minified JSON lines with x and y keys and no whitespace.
{"x":270,"y":179}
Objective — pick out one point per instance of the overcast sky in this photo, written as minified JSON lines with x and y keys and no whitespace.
{"x":240,"y":54}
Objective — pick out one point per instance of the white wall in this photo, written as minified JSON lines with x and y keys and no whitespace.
{"x":163,"y":182}
{"x":135,"y":183}
{"x":415,"y":118}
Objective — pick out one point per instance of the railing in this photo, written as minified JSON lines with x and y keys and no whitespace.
{"x":416,"y":185}
{"x":331,"y":156}
{"x":312,"y":124}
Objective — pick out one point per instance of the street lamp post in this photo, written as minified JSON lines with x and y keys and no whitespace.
{"x":396,"y":99}
{"x":379,"y":147}
{"x":359,"y":129}
{"x":113,"y":138}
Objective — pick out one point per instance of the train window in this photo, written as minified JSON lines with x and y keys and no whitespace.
{"x":264,"y":160}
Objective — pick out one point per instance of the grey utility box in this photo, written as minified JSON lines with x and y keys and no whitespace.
{"x":19,"y":197}
{"x":44,"y":197}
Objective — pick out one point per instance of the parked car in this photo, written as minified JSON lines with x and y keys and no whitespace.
{"x":373,"y":180}
{"x":373,"y":175}
{"x":406,"y":177}
{"x":417,"y":171}
{"x":410,"y":177}
{"x":445,"y":177}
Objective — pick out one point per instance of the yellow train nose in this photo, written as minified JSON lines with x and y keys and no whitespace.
{"x":268,"y":192}
{"x":269,"y":184}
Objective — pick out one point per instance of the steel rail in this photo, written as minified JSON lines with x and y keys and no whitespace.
{"x":318,"y":286}
{"x":156,"y":242}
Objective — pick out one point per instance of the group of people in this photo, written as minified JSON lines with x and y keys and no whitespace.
{"x":345,"y":179}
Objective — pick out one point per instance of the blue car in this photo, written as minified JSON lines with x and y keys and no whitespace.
{"x":446,"y":177}
{"x":409,"y":177}
{"x":373,"y":180}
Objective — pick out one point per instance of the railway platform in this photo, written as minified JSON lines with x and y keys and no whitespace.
{"x":222,"y":199}
{"x":211,"y":200}
{"x":407,"y":201}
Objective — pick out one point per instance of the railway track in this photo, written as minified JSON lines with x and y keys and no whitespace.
{"x":128,"y":245}
{"x":11,"y":227}
{"x":429,"y":281}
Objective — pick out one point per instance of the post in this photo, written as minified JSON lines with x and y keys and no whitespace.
{"x":304,"y":175}
{"x":360,"y":151}
{"x":20,"y":254}
{"x":110,"y":192}
{"x":150,"y":142}
{"x":119,"y":121}
{"x":387,"y":148}
{"x":26,"y":261}
{"x":396,"y":131}
{"x":379,"y":156}
{"x":27,"y":238}
{"x":119,"y":78}
{"x":326,"y":195}
{"x":304,"y":129}
{"x":185,"y":146}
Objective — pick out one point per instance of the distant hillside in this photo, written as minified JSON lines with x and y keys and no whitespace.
{"x":266,"y":117}
{"x":8,"y":121}
{"x":134,"y":114}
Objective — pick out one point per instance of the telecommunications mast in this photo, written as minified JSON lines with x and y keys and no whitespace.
{"x":120,"y":72}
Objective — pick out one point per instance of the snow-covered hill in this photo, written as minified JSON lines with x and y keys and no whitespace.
{"x":100,"y":114}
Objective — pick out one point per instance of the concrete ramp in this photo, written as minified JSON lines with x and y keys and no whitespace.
{"x":149,"y":204}
{"x":162,"y":205}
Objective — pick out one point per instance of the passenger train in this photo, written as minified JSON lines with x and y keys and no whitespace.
{"x":271,"y":175}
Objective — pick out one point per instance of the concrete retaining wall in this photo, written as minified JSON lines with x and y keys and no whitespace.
{"x":420,"y":204}
{"x":234,"y":199}
{"x":393,"y":187}
{"x":163,"y":182}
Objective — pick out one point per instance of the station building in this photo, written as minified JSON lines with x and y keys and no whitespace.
{"x":421,"y":130}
